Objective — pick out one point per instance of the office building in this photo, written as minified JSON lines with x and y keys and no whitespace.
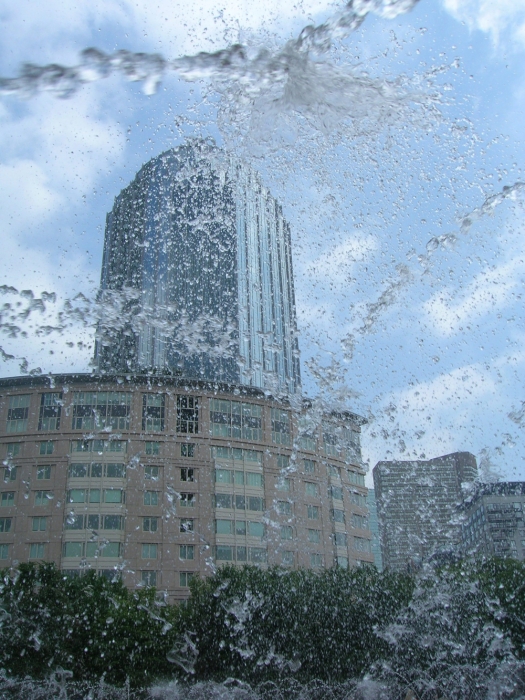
{"x":374,"y":530}
{"x":493,"y":520}
{"x":190,"y":446}
{"x":197,"y":275}
{"x":158,"y":479}
{"x":418,"y":507}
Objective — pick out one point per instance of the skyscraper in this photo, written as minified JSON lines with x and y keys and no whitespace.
{"x":197,"y":275}
{"x":160,"y":476}
{"x":418,"y":506}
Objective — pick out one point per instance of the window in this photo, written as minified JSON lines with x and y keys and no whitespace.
{"x":73,"y":522}
{"x":50,"y":409}
{"x":76,"y":495}
{"x":114,"y":496}
{"x":186,"y":525}
{"x":36,"y":550}
{"x":342,"y":562}
{"x":286,"y":532}
{"x":149,"y":551}
{"x":338,"y":515}
{"x":151,"y":498}
{"x":187,"y":500}
{"x":236,"y":419}
{"x":104,"y":549}
{"x":187,"y":414}
{"x":40,"y":524}
{"x":240,"y":502}
{"x":225,"y":527}
{"x":314,"y":536}
{"x":358,"y":499}
{"x":254,"y":480}
{"x":330,"y":444}
{"x":223,"y":500}
{"x":4,"y":551}
{"x":336,"y":492}
{"x":237,"y":454}
{"x":340,"y":539}
{"x":284,"y":484}
{"x":256,"y":530}
{"x":255,"y":503}
{"x":359,"y":521}
{"x":47,"y":447}
{"x":224,"y":552}
{"x":283,"y":461}
{"x":152,"y":473}
{"x":113,"y":522}
{"x":281,"y":432}
{"x":312,"y":512}
{"x":307,"y":442}
{"x":152,"y":448}
{"x":10,"y":474}
{"x":78,"y":471}
{"x":187,"y":449}
{"x":186,"y":552}
{"x":315,"y":560}
{"x":240,"y":527}
{"x":284,"y":507}
{"x":73,"y":549}
{"x":355,"y":478}
{"x":42,"y":498}
{"x":185,"y":578}
{"x":94,"y":495}
{"x":101,"y":409}
{"x":114,"y":471}
{"x":7,"y":499}
{"x":186,"y":474}
{"x":18,"y":413}
{"x":362,"y":545}
{"x":149,"y":578}
{"x":224,"y":476}
{"x":287,"y":559}
{"x":93,"y":521}
{"x":149,"y":524}
{"x":13,"y":449}
{"x":257,"y":555}
{"x":309,"y":466}
{"x":5,"y":524}
{"x":311,"y":489}
{"x":334,"y":471}
{"x":153,"y":409}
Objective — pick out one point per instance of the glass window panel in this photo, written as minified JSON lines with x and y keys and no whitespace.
{"x":256,"y":529}
{"x":223,"y":527}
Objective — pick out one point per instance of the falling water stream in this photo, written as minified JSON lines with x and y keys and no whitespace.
{"x":308,"y":106}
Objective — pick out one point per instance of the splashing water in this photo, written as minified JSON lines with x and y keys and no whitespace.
{"x":234,"y":63}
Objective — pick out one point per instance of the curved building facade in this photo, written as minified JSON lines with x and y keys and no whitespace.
{"x":159,"y":479}
{"x":197,"y":275}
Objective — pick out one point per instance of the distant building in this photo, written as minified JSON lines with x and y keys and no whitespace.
{"x":374,"y":529}
{"x":418,"y":507}
{"x":191,"y":445}
{"x":158,"y":479}
{"x":493,"y":523}
{"x":197,"y":275}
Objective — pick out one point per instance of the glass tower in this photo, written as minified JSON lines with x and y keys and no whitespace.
{"x":197,"y":275}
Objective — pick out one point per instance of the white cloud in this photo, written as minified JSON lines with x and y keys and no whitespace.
{"x":494,"y":17}
{"x":490,"y":292}
{"x":336,"y":265}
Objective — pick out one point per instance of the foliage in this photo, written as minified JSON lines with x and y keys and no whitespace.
{"x":455,"y":639}
{"x":88,"y":625}
{"x":457,"y":631}
{"x":265,"y":625}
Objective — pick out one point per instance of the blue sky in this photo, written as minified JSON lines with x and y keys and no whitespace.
{"x":377,"y":155}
